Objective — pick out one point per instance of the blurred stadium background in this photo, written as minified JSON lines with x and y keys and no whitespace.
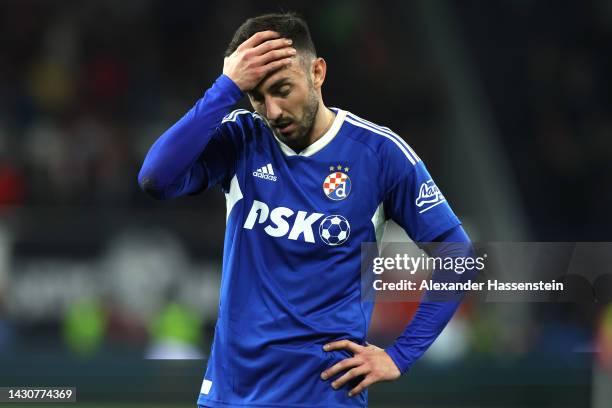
{"x":508,"y":102}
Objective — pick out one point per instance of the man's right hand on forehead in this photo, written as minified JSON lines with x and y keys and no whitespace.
{"x":255,"y":58}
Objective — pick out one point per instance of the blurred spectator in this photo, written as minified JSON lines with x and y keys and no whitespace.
{"x":84,"y":327}
{"x":175,"y":334}
{"x":11,"y":185}
{"x":604,"y":338}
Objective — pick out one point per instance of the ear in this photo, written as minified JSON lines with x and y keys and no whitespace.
{"x":319,"y":69}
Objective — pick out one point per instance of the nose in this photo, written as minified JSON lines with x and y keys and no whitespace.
{"x":273,"y":110}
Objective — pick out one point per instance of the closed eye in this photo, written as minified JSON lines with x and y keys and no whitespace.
{"x":284,"y":91}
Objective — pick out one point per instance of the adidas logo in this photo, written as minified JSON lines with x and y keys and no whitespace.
{"x":266,"y":172}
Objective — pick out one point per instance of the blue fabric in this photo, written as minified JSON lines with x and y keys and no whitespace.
{"x":291,"y":278}
{"x":171,"y":168}
{"x":432,"y":315}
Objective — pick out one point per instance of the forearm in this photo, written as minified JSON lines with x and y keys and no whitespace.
{"x":432,"y":316}
{"x":168,"y":170}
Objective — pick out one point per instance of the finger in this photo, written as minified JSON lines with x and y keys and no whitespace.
{"x":342,"y":345}
{"x":340,"y":366}
{"x":257,"y":39}
{"x":276,"y":54}
{"x":270,"y":45}
{"x":352,"y":373}
{"x":365,"y":383}
{"x":276,"y":65}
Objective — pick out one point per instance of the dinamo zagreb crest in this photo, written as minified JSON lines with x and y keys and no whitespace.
{"x":337,"y":185}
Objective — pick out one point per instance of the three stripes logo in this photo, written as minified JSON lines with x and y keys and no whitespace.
{"x":266,"y":172}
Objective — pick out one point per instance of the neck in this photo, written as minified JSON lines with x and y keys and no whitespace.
{"x":325,"y":118}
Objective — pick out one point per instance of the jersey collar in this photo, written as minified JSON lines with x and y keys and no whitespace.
{"x":321,"y":142}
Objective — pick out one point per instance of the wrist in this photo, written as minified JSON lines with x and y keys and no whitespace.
{"x":393,"y":353}
{"x":229,"y":87}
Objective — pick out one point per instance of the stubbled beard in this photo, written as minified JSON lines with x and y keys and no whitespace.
{"x":298,"y":138}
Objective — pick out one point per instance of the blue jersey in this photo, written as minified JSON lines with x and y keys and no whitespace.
{"x":291,"y":278}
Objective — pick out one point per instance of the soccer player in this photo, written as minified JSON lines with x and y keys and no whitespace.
{"x":305,"y":186}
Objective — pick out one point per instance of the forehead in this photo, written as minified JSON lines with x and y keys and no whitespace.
{"x":294,"y":72}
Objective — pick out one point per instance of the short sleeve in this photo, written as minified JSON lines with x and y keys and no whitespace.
{"x":412,"y":198}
